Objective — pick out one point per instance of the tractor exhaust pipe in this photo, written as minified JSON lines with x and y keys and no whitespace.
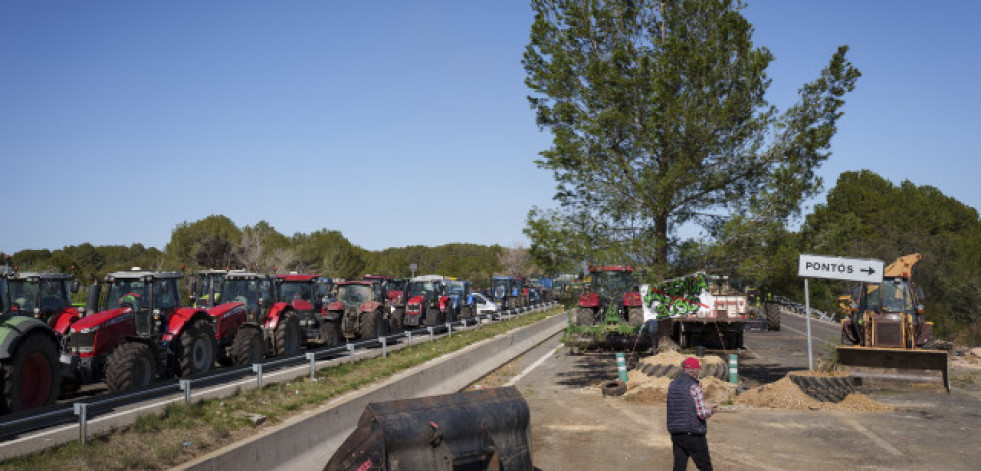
{"x":486,"y":429}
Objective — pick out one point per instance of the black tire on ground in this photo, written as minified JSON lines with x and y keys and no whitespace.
{"x":31,"y":377}
{"x":248,"y":346}
{"x":288,"y":336}
{"x":196,"y":349}
{"x":466,"y":312}
{"x":333,"y":336}
{"x":818,"y":388}
{"x":584,"y":316}
{"x":635,"y":317}
{"x":131,"y":365}
{"x":614,"y":388}
{"x":433,"y":317}
{"x":647,"y":369}
{"x":396,"y":321}
{"x":370,"y":325}
{"x":773,"y":316}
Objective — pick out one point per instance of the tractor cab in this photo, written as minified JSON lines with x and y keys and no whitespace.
{"x":150,"y":296}
{"x":41,"y":295}
{"x":256,"y":292}
{"x":206,"y":288}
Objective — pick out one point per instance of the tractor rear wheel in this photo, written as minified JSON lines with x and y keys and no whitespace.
{"x":333,"y":333}
{"x":466,"y":312}
{"x":30,"y":377}
{"x":131,"y":365}
{"x":288,"y":336}
{"x":196,"y":350}
{"x":248,"y":347}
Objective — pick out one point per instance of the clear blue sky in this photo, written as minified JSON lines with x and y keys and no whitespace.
{"x":397,"y":123}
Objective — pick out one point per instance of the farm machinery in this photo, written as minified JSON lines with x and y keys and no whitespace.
{"x":884,"y":335}
{"x":29,"y":367}
{"x":395,"y":287}
{"x":427,"y":302}
{"x":698,"y":310}
{"x":44,"y":296}
{"x":206,"y":288}
{"x":251,"y":324}
{"x":138,"y":333}
{"x":609,"y":312}
{"x":307,"y":294}
{"x":361,"y":310}
{"x":461,"y":298}
{"x":509,"y":292}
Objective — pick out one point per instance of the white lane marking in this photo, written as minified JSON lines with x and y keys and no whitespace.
{"x":532,"y":366}
{"x":871,"y":436}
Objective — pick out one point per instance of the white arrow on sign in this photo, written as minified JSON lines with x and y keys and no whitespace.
{"x":840,"y":268}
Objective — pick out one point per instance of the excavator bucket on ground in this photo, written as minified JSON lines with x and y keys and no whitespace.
{"x":485,"y":429}
{"x":883,"y":367}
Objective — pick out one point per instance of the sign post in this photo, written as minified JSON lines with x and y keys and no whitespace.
{"x":833,"y":268}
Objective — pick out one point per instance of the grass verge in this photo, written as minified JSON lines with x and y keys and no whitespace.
{"x":181,"y":432}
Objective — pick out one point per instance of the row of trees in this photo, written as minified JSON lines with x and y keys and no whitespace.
{"x":216,"y":242}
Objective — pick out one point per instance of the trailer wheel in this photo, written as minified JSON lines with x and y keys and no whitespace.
{"x":196,"y":350}
{"x":130,"y":365}
{"x":30,"y":378}
{"x":773,"y":316}
{"x":288,"y":336}
{"x":248,"y":346}
{"x":614,"y":388}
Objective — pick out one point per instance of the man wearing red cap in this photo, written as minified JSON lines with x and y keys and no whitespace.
{"x":687,"y":411}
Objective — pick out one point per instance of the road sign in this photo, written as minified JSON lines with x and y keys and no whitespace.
{"x":840,"y":268}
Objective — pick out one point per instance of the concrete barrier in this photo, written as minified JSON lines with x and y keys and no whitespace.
{"x":310,"y":439}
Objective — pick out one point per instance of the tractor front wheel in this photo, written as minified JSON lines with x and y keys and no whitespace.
{"x":196,"y":350}
{"x":131,"y":365}
{"x":288,"y":336}
{"x":248,"y":347}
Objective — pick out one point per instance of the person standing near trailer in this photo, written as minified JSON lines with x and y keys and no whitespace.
{"x":687,"y":412}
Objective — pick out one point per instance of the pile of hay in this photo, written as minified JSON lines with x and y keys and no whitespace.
{"x":784,"y":394}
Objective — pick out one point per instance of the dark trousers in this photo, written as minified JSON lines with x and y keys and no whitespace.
{"x":651,"y":326}
{"x":695,"y":446}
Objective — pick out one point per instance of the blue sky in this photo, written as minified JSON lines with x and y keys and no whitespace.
{"x":396,"y":123}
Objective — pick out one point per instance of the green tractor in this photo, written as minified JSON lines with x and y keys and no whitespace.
{"x":29,"y":365}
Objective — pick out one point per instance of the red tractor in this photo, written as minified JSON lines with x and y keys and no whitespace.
{"x":138,"y":333}
{"x":396,"y":299}
{"x":361,"y":310}
{"x":308,"y":295}
{"x":427,"y":302}
{"x":614,"y":285}
{"x":251,"y":324}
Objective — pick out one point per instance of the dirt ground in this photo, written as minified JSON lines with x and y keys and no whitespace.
{"x":575,"y":427}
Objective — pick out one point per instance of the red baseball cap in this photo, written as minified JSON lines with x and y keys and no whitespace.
{"x":690,"y":364}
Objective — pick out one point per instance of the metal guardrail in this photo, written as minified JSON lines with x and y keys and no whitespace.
{"x":85,"y":410}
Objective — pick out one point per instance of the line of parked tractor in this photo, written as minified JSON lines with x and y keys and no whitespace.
{"x":134,"y":328}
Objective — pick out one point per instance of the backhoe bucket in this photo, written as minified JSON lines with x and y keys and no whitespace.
{"x":895,"y":366}
{"x":486,"y":429}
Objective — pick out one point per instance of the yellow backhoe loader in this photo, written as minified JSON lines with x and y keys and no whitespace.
{"x":884,"y":333}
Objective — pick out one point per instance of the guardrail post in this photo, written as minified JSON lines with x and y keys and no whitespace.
{"x":408,"y":334}
{"x":430,"y":329}
{"x":350,"y":348}
{"x":313,"y":365}
{"x":449,"y":329}
{"x":384,"y":342}
{"x":185,"y":385}
{"x":257,"y":369}
{"x":81,"y":410}
{"x":464,"y":323}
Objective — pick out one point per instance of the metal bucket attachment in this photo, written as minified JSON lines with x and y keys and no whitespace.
{"x":895,"y":366}
{"x":486,"y":429}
